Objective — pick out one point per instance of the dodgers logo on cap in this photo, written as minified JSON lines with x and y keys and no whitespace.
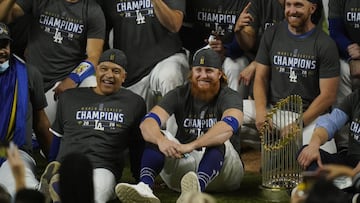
{"x":4,"y":32}
{"x":207,"y":57}
{"x":202,"y":60}
{"x":114,"y":56}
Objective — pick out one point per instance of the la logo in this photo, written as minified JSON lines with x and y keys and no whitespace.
{"x":202,"y":60}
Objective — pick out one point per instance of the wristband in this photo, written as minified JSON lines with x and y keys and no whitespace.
{"x":153,"y":116}
{"x":82,"y":71}
{"x":232,"y":122}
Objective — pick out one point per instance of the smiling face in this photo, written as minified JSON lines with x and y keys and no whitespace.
{"x":298,"y":15}
{"x":4,"y":50}
{"x":109,"y":78}
{"x":205,"y":82}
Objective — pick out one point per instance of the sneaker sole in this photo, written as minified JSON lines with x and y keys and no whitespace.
{"x":53,"y":193}
{"x":189,"y":183}
{"x":50,"y":170}
{"x":129,"y":195}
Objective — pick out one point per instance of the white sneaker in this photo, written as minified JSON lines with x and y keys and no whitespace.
{"x":189,"y":183}
{"x":140,"y":193}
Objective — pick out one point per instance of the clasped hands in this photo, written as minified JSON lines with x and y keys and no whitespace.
{"x":174,"y":149}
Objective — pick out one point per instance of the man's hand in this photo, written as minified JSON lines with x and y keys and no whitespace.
{"x":185,"y":148}
{"x":169,"y":148}
{"x":289,"y":130}
{"x":67,"y":83}
{"x":260,"y":119}
{"x":244,"y":19}
{"x":247,"y":74}
{"x":217,"y":46}
{"x":309,"y":154}
{"x":17,"y":166}
{"x":357,"y":168}
{"x":354,"y":51}
{"x":333,"y":171}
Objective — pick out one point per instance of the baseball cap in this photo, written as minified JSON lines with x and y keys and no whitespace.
{"x":114,"y":55}
{"x":207,"y":58}
{"x":4,"y":31}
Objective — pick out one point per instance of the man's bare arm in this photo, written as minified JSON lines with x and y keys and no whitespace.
{"x":326,"y":98}
{"x":9,"y":11}
{"x":169,"y":18}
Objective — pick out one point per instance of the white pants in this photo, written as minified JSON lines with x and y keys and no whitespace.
{"x":232,"y":69}
{"x":50,"y":110}
{"x":229,"y":178}
{"x":7,"y":179}
{"x":249,"y":118}
{"x":104,"y":185}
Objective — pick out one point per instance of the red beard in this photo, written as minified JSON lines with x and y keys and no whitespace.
{"x":203,"y":94}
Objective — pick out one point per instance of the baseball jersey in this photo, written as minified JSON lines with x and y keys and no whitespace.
{"x":59,"y":32}
{"x":193,"y":117}
{"x":351,"y":106}
{"x":349,"y":12}
{"x":139,"y":33}
{"x":97,"y":125}
{"x":265,"y":14}
{"x":205,"y":17}
{"x":297,"y":63}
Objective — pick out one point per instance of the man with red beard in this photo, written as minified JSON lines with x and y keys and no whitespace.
{"x":200,"y":156}
{"x":296,"y":57}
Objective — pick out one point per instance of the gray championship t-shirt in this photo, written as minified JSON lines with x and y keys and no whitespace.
{"x":193,"y":117}
{"x":139,"y":33}
{"x":97,"y":125}
{"x":297,"y":63}
{"x":265,"y":14}
{"x":59,"y":33}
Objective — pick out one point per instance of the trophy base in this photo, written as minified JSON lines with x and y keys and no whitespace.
{"x":279,"y":195}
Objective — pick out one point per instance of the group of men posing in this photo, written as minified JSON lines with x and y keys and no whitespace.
{"x":121,"y":111}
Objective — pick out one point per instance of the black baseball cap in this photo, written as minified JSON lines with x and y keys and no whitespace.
{"x":4,"y":31}
{"x":114,"y":55}
{"x":208,"y":58}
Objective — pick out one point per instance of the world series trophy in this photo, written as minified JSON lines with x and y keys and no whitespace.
{"x":281,"y":140}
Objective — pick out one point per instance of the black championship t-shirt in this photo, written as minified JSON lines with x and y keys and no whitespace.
{"x":98,"y":126}
{"x":349,"y":12}
{"x":194,"y":118}
{"x":139,"y":33}
{"x":351,"y":106}
{"x":205,"y":17}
